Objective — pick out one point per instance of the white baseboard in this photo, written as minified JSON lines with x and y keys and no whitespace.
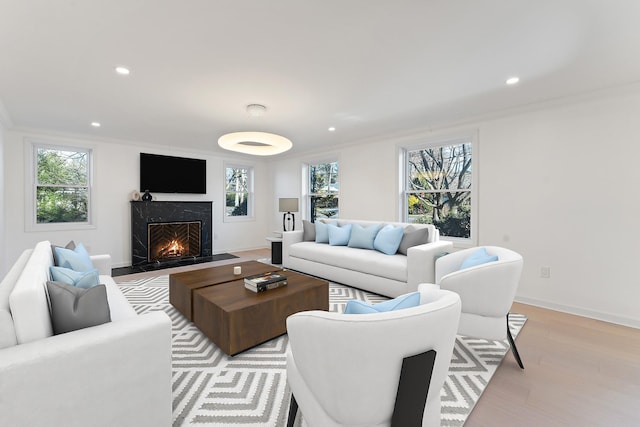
{"x":579,"y":311}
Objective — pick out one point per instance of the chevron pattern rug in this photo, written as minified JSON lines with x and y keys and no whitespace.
{"x":250,"y":389}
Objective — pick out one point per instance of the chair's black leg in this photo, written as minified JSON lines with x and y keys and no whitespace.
{"x":512,"y":343}
{"x":293,"y":410}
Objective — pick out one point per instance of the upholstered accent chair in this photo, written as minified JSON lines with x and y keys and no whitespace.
{"x":487,"y":291}
{"x":382,"y":369}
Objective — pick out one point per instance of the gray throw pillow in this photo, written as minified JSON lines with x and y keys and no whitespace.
{"x":76,"y":308}
{"x":308,"y":231}
{"x":413,"y":236}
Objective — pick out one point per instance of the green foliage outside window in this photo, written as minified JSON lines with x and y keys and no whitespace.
{"x":62,"y":187}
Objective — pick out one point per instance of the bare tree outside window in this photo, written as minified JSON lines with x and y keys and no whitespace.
{"x":62,"y":185}
{"x":324,"y":190}
{"x":438,"y":188}
{"x":237,"y":191}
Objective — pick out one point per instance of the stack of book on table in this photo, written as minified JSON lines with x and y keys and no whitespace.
{"x":263,"y":282}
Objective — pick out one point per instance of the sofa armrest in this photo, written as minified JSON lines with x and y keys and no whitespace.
{"x":288,"y":239}
{"x":102,"y":263}
{"x":421,"y":262}
{"x":118,"y":373}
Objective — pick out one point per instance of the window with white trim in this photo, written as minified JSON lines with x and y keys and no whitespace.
{"x":61,"y":185}
{"x":238,"y":192}
{"x":324,"y":190}
{"x":439,"y":186}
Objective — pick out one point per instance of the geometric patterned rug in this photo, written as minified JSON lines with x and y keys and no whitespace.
{"x":250,"y":389}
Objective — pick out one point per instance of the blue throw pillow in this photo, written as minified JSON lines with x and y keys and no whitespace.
{"x":77,"y":259}
{"x":322,"y":232}
{"x":403,"y":301}
{"x":79,"y":279}
{"x":339,"y":236}
{"x":363,"y":237}
{"x":478,"y":257}
{"x":388,"y":239}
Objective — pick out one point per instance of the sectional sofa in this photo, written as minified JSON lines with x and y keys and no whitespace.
{"x":113,"y":374}
{"x":362,"y":265}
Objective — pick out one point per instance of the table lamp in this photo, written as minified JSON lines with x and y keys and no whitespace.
{"x":288,"y":205}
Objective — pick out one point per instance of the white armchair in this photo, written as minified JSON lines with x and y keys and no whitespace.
{"x":356,"y":369}
{"x":486,"y":290}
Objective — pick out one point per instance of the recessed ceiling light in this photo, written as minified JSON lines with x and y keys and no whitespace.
{"x":512,"y":80}
{"x":123,"y":71}
{"x":332,"y":129}
{"x":95,"y":124}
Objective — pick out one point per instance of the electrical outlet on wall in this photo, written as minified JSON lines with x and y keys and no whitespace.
{"x":545,"y":272}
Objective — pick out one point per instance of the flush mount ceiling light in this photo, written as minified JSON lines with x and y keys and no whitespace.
{"x":512,"y":80}
{"x":255,"y":143}
{"x":123,"y":71}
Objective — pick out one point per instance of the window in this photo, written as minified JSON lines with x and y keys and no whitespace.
{"x":238,"y":191}
{"x":438,"y":186}
{"x":62,"y":185}
{"x":324,"y":190}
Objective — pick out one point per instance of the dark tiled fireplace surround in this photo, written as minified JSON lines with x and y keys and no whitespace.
{"x":145,"y":213}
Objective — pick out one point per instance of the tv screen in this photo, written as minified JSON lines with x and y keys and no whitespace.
{"x":168,"y":174}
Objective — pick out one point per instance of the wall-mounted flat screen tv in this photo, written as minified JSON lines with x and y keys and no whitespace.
{"x":168,"y":174}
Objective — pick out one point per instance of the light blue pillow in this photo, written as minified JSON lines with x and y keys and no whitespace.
{"x":339,"y":236}
{"x":79,"y":279}
{"x":477,"y":258}
{"x":322,"y":232}
{"x":388,"y":239}
{"x":77,"y":259}
{"x":403,"y":301}
{"x":363,"y":237}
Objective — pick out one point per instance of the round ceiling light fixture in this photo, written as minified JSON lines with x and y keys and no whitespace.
{"x":255,"y":143}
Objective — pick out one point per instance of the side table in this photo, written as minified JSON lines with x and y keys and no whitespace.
{"x":276,"y":249}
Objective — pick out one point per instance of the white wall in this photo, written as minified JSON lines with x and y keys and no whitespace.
{"x":116,"y":175}
{"x":557,"y":185}
{"x":3,"y":246}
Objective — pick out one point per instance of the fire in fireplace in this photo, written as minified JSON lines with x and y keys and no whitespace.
{"x":173,"y":240}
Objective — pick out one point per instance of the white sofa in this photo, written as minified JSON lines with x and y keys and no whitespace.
{"x":117,"y":373}
{"x":367,"y":269}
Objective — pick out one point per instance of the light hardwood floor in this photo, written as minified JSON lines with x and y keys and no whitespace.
{"x":578,"y":371}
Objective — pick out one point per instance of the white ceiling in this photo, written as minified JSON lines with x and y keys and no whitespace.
{"x":367,"y":67}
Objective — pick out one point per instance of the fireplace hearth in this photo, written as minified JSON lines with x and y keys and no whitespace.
{"x":163,"y":232}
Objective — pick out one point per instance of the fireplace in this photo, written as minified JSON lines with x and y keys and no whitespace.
{"x":156,"y":224}
{"x":173,"y":240}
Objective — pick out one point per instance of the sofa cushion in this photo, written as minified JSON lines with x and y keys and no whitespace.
{"x":363,"y":237}
{"x":28,"y":300}
{"x":366,"y":261}
{"x":7,"y":331}
{"x":80,"y":279}
{"x":77,"y":259}
{"x":308,"y":231}
{"x":478,"y":257}
{"x":75,"y":308}
{"x":413,"y":236}
{"x":399,"y":303}
{"x":322,"y":232}
{"x":388,"y":239}
{"x":339,"y":236}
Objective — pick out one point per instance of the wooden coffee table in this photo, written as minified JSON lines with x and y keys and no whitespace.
{"x":236,"y":319}
{"x":182,"y":285}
